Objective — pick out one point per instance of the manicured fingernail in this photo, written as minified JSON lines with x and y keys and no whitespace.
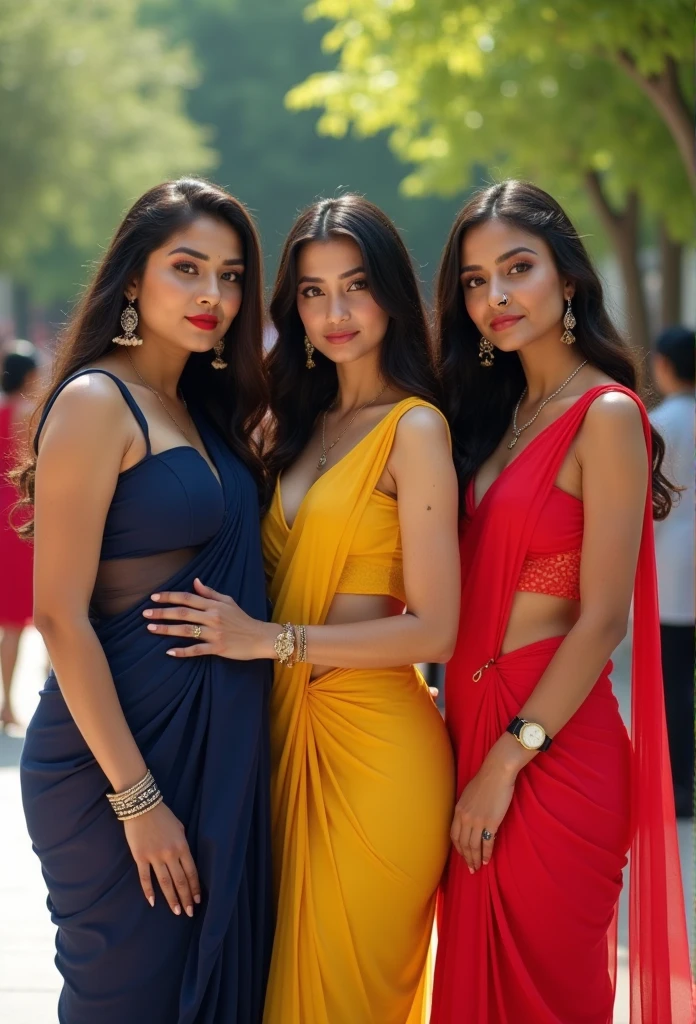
{"x":196,"y":899}
{"x":471,"y":871}
{"x":151,"y":900}
{"x":189,"y":911}
{"x":152,"y":628}
{"x":154,"y":597}
{"x":177,"y":910}
{"x":148,"y":612}
{"x":172,"y":653}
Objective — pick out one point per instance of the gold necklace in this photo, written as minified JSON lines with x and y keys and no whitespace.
{"x":517,"y":431}
{"x":159,"y":398}
{"x":324,"y":450}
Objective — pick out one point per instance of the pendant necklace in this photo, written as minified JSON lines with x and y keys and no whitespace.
{"x":517,"y":431}
{"x":159,"y":398}
{"x":324,"y":450}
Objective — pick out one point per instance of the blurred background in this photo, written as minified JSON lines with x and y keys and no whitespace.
{"x":411,"y":102}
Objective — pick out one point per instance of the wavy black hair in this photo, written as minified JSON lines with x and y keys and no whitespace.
{"x":480,"y":401}
{"x":236,"y":398}
{"x":298,"y":395}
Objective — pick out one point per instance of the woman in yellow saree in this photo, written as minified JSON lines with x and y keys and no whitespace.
{"x":362,"y":524}
{"x":362,"y":781}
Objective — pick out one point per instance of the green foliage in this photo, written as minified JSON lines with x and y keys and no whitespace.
{"x":92,"y":114}
{"x":249,"y":55}
{"x":522,"y":87}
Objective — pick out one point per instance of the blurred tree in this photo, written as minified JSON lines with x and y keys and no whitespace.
{"x":91,"y":114}
{"x":535,"y":88}
{"x":249,"y":55}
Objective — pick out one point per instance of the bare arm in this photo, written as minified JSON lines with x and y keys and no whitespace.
{"x":612,"y":455}
{"x":615,"y":477}
{"x":422,"y":468}
{"x":84,"y":440}
{"x":81,"y":448}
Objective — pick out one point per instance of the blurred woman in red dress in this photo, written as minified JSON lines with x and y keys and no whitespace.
{"x":19,"y":372}
{"x":560,"y":475}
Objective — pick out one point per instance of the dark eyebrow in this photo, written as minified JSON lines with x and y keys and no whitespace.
{"x":500,"y":259}
{"x":341,"y":277}
{"x":202,"y":255}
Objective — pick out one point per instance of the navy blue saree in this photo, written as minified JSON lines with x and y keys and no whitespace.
{"x":201,"y":725}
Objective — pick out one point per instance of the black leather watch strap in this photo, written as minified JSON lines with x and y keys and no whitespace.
{"x":515,"y":728}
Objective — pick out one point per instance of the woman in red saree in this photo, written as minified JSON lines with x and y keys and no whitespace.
{"x":559,"y":497}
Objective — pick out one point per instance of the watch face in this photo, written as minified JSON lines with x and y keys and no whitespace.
{"x":532,"y":735}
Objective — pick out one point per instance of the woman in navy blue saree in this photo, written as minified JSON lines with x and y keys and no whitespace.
{"x":147,"y":477}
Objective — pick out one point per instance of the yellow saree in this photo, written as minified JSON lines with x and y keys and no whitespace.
{"x":362,"y":785}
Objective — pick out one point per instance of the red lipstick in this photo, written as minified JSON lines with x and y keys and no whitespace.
{"x":205,"y":321}
{"x":500,"y":323}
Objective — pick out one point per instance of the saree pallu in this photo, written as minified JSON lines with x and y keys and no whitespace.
{"x":201,"y":725}
{"x":531,"y":937}
{"x":362,"y":787}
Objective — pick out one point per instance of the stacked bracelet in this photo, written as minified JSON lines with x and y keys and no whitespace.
{"x":301,"y":644}
{"x":137,"y":800}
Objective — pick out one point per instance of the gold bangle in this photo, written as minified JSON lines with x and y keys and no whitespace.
{"x":284,"y":644}
{"x":302,"y":655}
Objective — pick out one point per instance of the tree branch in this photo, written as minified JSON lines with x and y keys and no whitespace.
{"x":665,"y":93}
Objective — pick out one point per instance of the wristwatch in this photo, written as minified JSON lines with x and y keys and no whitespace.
{"x":531,"y":735}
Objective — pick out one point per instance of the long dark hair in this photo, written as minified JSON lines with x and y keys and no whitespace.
{"x":298,"y":395}
{"x":235,"y":398}
{"x":480,"y":401}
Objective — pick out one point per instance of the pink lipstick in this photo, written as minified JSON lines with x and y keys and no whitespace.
{"x":500,"y":323}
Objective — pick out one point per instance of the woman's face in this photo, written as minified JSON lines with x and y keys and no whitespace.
{"x":191,"y":288}
{"x":340,"y":316}
{"x":499,"y":259}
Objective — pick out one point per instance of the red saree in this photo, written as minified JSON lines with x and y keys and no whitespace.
{"x":530,"y":939}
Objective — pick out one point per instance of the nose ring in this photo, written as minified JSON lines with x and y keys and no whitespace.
{"x":504,"y":300}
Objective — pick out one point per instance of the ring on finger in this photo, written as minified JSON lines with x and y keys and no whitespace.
{"x":487,"y":835}
{"x":197,"y":630}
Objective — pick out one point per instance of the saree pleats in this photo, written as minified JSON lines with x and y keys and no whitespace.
{"x":362,"y":789}
{"x":201,"y":724}
{"x":531,"y":938}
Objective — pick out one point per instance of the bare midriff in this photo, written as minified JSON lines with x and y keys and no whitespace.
{"x":535,"y":617}
{"x":347,"y":608}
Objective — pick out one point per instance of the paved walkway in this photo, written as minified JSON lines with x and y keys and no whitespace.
{"x":29,"y":983}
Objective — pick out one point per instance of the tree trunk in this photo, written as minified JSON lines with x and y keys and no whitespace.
{"x":665,"y":93}
{"x":622,"y":228}
{"x":671,"y":274}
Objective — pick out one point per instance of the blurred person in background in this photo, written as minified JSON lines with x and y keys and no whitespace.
{"x":673,"y":370}
{"x":19,"y":363}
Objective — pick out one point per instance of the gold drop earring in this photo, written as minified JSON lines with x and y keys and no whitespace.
{"x":486,"y":352}
{"x":569,"y":322}
{"x":309,"y":349}
{"x":218,"y":362}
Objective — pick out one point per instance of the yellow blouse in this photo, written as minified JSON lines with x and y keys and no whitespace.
{"x":374,"y":563}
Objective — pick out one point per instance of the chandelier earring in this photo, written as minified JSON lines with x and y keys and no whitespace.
{"x":218,"y":362}
{"x":569,"y":322}
{"x":129,"y":321}
{"x":486,"y":352}
{"x":309,"y":349}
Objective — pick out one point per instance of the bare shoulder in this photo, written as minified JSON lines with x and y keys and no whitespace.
{"x":612,"y":435}
{"x":422,"y":424}
{"x":91,"y":406}
{"x":612,"y":411}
